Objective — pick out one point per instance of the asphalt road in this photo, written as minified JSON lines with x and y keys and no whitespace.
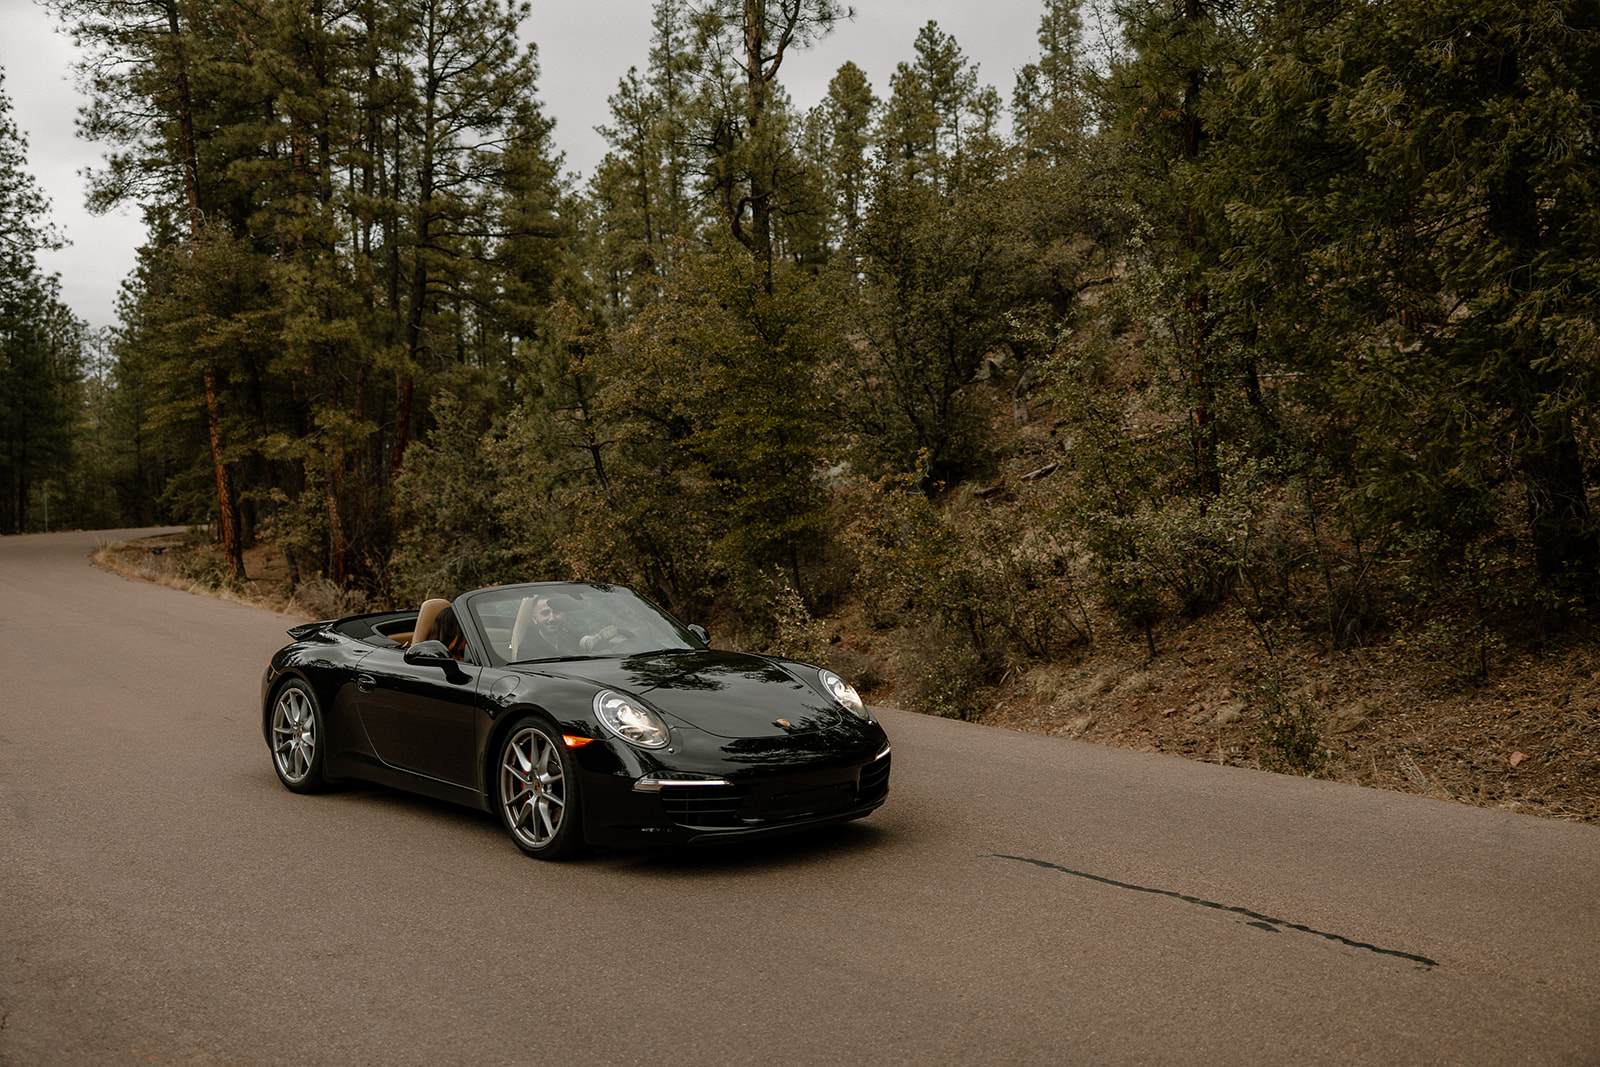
{"x":1019,"y":899}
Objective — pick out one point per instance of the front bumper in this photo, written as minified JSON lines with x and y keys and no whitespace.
{"x":737,"y":806}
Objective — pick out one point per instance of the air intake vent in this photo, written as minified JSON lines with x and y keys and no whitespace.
{"x":875,"y":780}
{"x":702,"y":805}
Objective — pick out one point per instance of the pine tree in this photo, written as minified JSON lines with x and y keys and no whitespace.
{"x":845,"y":118}
{"x":472,"y":79}
{"x":713,"y":392}
{"x":632,"y":195}
{"x":142,"y":61}
{"x":1158,"y":97}
{"x":746,"y":133}
{"x":940,"y":124}
{"x":41,"y":347}
{"x":1049,"y":108}
{"x":385,"y":166}
{"x":1416,"y":215}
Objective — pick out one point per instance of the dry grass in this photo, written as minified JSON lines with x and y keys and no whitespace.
{"x":180,"y":561}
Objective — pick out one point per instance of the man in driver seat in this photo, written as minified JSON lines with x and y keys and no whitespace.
{"x":551,"y":636}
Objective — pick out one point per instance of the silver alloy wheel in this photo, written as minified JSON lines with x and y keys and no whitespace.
{"x":533,"y":790}
{"x":294,"y":734}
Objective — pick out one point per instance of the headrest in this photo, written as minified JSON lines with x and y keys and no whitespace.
{"x":426,"y":616}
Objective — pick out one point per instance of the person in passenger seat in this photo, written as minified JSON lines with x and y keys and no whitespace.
{"x":448,"y":630}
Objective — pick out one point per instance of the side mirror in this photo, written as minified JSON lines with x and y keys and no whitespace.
{"x":424,"y":653}
{"x":700,"y":631}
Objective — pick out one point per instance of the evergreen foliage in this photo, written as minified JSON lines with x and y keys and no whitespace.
{"x":1304,"y":290}
{"x":41,"y":358}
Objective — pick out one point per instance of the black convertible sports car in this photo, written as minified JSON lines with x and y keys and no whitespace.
{"x":577,"y":712}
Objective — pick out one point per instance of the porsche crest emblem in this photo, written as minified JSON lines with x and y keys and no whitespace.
{"x":785,"y":723}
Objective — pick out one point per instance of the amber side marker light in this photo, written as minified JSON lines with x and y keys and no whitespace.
{"x":576,"y":742}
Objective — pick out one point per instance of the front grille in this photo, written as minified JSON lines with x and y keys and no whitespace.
{"x":775,"y":799}
{"x":703,"y":805}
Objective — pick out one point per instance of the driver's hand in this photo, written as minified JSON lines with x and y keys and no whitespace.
{"x":589,"y":642}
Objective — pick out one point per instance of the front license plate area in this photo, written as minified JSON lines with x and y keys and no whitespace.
{"x":791,"y":798}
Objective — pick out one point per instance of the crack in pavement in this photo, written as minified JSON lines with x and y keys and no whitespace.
{"x":1261,"y":922}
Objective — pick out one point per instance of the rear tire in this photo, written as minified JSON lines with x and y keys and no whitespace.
{"x":536,"y":790}
{"x":298,"y":738}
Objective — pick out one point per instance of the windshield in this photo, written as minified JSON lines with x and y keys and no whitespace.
{"x":571,"y":620}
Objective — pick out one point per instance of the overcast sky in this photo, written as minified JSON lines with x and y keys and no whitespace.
{"x":585,"y":46}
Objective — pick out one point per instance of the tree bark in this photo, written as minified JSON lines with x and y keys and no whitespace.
{"x":232,"y":547}
{"x":1208,"y":478}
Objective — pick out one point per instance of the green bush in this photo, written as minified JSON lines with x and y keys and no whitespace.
{"x":787,"y":626}
{"x":971,"y":594}
{"x":1289,"y":735}
{"x":945,"y":677}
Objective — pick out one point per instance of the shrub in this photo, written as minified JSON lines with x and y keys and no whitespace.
{"x":1003,"y":596}
{"x":322,"y":598}
{"x":1289,"y":735}
{"x":945,"y":678}
{"x":787,"y":627}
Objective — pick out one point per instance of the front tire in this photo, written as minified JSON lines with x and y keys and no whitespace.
{"x":298,"y":738}
{"x":536,"y":791}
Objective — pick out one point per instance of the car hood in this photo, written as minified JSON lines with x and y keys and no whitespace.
{"x":729,"y":694}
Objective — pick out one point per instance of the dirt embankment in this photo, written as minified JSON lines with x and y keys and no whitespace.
{"x":1527,"y":739}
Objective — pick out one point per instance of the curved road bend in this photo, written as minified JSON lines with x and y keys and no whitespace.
{"x":1020,"y":899}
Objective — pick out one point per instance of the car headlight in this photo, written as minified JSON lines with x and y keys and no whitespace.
{"x":630,"y":720}
{"x":845,"y":694}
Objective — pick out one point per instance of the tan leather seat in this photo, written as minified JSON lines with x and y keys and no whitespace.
{"x":427,"y":617}
{"x":522,"y":628}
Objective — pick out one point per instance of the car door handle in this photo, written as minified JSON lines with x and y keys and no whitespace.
{"x":365,"y":683}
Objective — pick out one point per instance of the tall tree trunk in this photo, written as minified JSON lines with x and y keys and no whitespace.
{"x":1566,"y":551}
{"x":757,"y":98}
{"x":1560,"y":523}
{"x":405,"y":382}
{"x":338,"y":561}
{"x":232,"y":546}
{"x":1208,"y":478}
{"x":416,"y":313}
